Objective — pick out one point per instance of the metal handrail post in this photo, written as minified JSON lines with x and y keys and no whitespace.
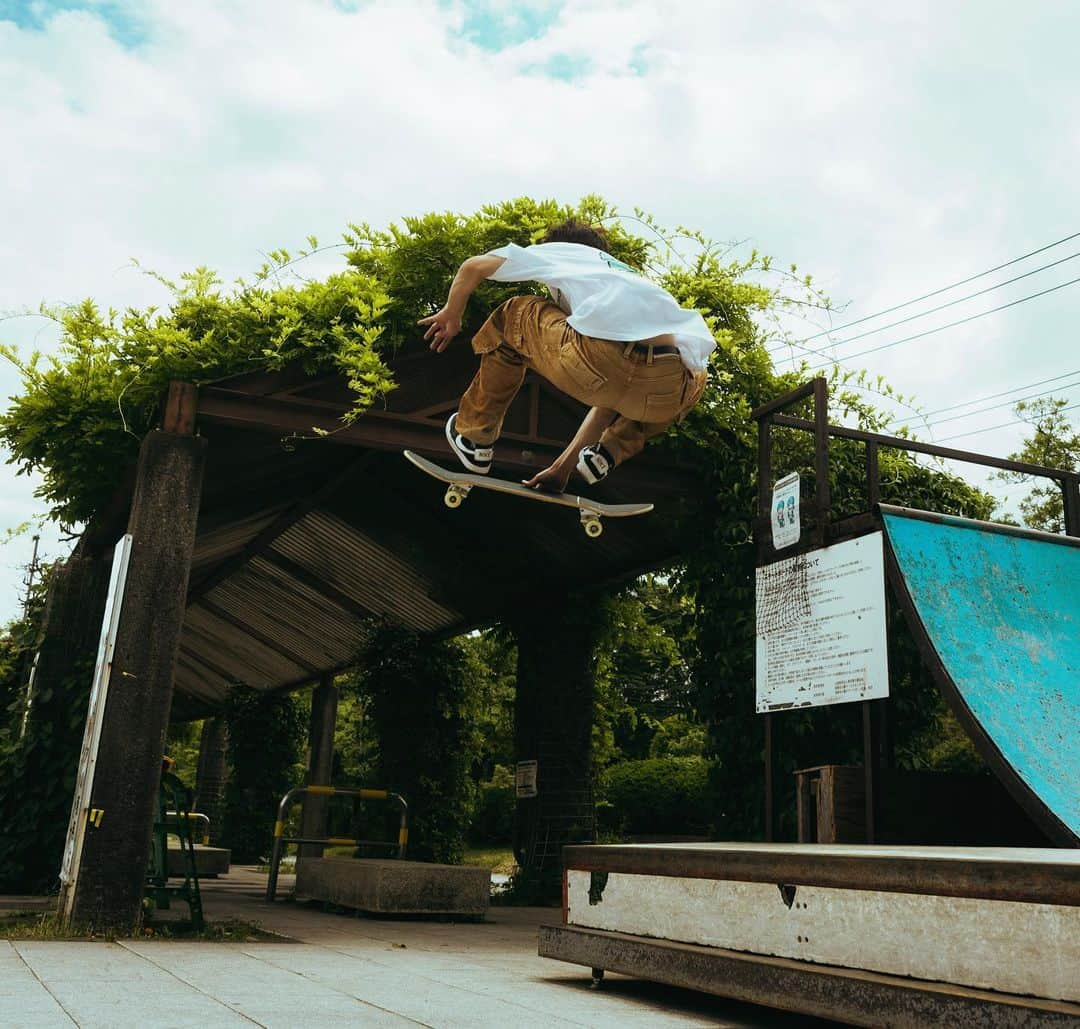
{"x":280,"y":839}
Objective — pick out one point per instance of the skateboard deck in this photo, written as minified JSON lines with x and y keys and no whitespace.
{"x":460,"y":483}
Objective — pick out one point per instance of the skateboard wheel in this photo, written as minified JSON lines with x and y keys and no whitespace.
{"x":593,"y":528}
{"x":453,"y":497}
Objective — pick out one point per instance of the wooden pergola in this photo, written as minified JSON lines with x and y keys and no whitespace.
{"x":301,"y":540}
{"x":264,"y":551}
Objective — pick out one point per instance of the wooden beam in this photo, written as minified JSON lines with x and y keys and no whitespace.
{"x":194,"y":656}
{"x":645,"y":476}
{"x":255,"y":634}
{"x":180,"y":407}
{"x":320,"y":586}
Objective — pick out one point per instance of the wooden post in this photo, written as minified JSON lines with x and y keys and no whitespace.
{"x":210,"y":773}
{"x":108,"y":887}
{"x":324,"y":702}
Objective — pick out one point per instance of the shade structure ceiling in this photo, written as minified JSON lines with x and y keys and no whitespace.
{"x":304,"y":542}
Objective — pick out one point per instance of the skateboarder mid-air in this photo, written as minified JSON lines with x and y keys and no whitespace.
{"x":609,"y":338}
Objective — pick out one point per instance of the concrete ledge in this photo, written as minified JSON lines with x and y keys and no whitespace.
{"x":388,"y":887}
{"x":208,"y":861}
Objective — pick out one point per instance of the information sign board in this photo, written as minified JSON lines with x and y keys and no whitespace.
{"x":526,"y":779}
{"x":821,"y":627}
{"x":786,"y":527}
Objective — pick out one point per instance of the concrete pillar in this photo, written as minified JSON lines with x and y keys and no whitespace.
{"x":324,"y":701}
{"x":553,"y":719}
{"x":164,"y":510}
{"x":210,"y":774}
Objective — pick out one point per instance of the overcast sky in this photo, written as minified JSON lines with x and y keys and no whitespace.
{"x":889,"y":149}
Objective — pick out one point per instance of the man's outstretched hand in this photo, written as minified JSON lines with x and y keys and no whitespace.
{"x":442,"y":327}
{"x":552,"y":479}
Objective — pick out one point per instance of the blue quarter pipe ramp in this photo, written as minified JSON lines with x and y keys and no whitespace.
{"x":996,"y":612}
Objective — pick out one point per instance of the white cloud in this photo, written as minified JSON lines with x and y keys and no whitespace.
{"x":886,"y":148}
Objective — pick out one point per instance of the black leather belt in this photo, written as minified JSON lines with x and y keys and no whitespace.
{"x":644,"y":348}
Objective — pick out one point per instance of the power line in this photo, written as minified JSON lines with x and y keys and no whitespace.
{"x":1003,"y":425}
{"x":1006,"y":403}
{"x":950,"y":325}
{"x":1004,"y":393}
{"x":944,"y":289}
{"x":942,"y":307}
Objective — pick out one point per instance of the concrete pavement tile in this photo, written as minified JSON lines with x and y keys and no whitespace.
{"x":116,"y":1005}
{"x":103,"y":984}
{"x":56,"y":961}
{"x":416,"y":996}
{"x":270,"y":994}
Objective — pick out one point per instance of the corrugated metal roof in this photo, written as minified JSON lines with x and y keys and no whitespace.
{"x":301,"y":549}
{"x":370,"y":574}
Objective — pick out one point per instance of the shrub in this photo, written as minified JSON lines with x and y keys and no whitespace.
{"x":657,"y":795}
{"x":266,"y":734}
{"x":493,"y":821}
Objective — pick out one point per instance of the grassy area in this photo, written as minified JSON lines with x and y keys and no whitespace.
{"x":499,"y":860}
{"x":37,"y":926}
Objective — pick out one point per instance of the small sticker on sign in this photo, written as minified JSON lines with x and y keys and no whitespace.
{"x":526,"y":779}
{"x":786,"y":528}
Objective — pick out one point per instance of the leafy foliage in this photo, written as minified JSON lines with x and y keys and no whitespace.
{"x":1054,"y":443}
{"x":657,"y":795}
{"x":266,"y":736}
{"x":681,"y":648}
{"x":424,"y":705}
{"x":84,"y":410}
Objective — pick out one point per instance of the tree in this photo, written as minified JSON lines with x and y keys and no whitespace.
{"x":1054,"y":443}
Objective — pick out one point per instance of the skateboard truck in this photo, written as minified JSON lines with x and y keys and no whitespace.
{"x":590,"y":522}
{"x":455,"y":494}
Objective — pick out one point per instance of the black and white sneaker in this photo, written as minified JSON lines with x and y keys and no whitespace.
{"x":474,"y":458}
{"x":594,"y":463}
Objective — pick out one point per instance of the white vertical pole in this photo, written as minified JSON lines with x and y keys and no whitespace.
{"x":80,"y":807}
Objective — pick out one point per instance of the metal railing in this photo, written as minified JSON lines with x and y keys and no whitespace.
{"x":193,"y":816}
{"x":281,"y":840}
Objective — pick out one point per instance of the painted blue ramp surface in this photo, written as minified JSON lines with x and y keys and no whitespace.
{"x":999,"y":612}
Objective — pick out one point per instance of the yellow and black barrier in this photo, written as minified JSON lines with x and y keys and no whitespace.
{"x":281,"y":840}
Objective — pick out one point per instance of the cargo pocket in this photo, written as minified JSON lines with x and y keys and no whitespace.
{"x":663,"y":407}
{"x":575,"y":364}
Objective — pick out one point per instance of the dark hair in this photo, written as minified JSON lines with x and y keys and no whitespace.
{"x":573,"y":231}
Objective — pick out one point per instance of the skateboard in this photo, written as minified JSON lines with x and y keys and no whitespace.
{"x":460,"y":483}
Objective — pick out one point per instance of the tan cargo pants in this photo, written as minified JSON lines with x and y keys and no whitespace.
{"x":528,"y":332}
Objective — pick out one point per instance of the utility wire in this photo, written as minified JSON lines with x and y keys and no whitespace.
{"x":1004,"y":393}
{"x":942,"y":307}
{"x":950,"y":325}
{"x":944,"y":289}
{"x":1005,"y":403}
{"x":1003,"y":425}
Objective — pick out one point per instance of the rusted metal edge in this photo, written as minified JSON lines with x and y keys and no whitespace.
{"x":1036,"y":882}
{"x":826,"y":991}
{"x":960,"y":522}
{"x":1020,"y":791}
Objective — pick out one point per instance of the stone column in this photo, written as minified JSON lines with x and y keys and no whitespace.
{"x":164,"y":510}
{"x":324,"y":701}
{"x":553,"y":719}
{"x":210,"y":774}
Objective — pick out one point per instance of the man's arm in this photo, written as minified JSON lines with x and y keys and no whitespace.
{"x":446,"y":324}
{"x":557,"y":474}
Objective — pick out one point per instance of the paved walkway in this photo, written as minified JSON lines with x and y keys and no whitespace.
{"x":337,"y":970}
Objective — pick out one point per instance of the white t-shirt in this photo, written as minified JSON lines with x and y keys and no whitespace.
{"x":606,"y":298}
